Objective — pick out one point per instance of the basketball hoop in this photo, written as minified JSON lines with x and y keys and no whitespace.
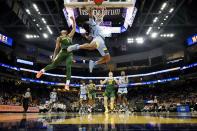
{"x":91,"y":3}
{"x":99,"y":13}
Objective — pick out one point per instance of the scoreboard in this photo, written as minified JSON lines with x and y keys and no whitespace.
{"x":192,"y":40}
{"x":6,"y":40}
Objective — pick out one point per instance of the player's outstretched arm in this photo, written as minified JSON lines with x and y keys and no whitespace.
{"x":103,"y":82}
{"x":71,"y":34}
{"x":57,"y":48}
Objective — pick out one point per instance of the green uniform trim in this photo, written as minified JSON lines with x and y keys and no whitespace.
{"x":91,"y":91}
{"x":65,"y":42}
{"x":110,"y":88}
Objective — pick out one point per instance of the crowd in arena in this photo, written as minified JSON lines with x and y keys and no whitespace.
{"x":146,"y":98}
{"x":155,"y":98}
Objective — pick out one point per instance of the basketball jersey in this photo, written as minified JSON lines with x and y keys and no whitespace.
{"x":95,"y":29}
{"x":123,"y":80}
{"x":65,"y":42}
{"x":27,"y":94}
{"x":53,"y":95}
{"x":110,"y":84}
{"x":83,"y":89}
{"x":91,"y":87}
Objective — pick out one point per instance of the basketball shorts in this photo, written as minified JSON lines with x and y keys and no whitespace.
{"x":122,"y":89}
{"x":83,"y":96}
{"x":101,"y":47}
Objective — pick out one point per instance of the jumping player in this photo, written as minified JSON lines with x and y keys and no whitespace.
{"x":109,"y":91}
{"x":91,"y":94}
{"x":61,"y":54}
{"x":98,"y":42}
{"x":122,"y":90}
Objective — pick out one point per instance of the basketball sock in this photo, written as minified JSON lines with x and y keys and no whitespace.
{"x":67,"y":82}
{"x":43,"y":70}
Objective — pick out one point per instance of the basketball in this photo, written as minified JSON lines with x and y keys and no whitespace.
{"x":98,"y":2}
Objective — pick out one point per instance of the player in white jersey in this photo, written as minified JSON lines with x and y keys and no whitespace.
{"x":83,"y":97}
{"x":98,"y":42}
{"x":53,"y":99}
{"x":122,"y":90}
{"x":53,"y":96}
{"x":83,"y":91}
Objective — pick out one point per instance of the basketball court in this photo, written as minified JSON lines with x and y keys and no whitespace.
{"x":73,"y":121}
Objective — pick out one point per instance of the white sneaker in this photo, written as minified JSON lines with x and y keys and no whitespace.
{"x":91,"y":65}
{"x":72,"y":47}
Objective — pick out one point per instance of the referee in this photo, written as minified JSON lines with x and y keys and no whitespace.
{"x":26,"y":98}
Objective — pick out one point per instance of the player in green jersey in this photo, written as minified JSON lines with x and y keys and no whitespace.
{"x":61,"y":54}
{"x":109,"y":91}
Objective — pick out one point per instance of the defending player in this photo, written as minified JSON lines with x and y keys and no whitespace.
{"x":109,"y":91}
{"x":83,"y":97}
{"x":91,"y":94}
{"x":53,"y":98}
{"x":122,"y":90}
{"x":61,"y":54}
{"x":98,"y":42}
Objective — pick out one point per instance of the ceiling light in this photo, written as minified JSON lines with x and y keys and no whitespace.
{"x":154,"y":35}
{"x":161,"y":23}
{"x":28,"y":11}
{"x":37,"y":25}
{"x":158,"y":28}
{"x":129,"y":42}
{"x":171,"y":10}
{"x":155,"y":20}
{"x":45,"y":35}
{"x":163,"y":6}
{"x":36,"y":7}
{"x":171,"y":35}
{"x":27,"y":36}
{"x":164,"y":35}
{"x":140,"y":40}
{"x":149,"y":30}
{"x":49,"y":29}
{"x":44,"y":21}
{"x":166,"y":16}
{"x":130,"y":39}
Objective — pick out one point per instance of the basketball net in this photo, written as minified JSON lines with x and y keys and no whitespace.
{"x":99,"y":13}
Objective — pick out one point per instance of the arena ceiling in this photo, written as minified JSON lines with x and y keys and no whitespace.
{"x":181,"y":22}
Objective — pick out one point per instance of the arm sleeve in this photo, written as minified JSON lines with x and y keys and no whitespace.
{"x":92,"y":21}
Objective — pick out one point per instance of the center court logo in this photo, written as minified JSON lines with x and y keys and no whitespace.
{"x":107,"y":11}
